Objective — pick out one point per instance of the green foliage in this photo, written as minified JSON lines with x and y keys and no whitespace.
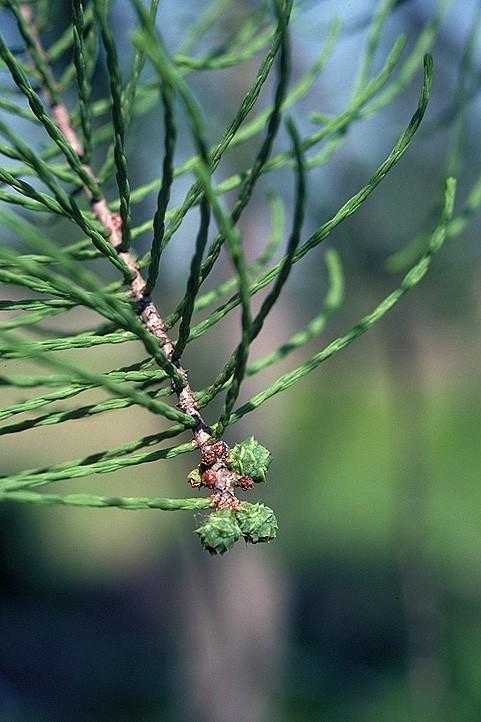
{"x":57,"y":278}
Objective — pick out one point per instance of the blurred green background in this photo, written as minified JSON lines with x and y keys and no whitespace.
{"x":367,"y":607}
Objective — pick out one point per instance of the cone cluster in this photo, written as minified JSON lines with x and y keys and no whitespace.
{"x":254,"y":522}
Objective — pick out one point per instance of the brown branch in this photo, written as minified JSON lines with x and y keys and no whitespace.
{"x":213,"y":469}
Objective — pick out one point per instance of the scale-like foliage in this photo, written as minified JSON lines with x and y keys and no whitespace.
{"x":55,"y":279}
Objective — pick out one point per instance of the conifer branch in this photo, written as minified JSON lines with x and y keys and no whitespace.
{"x":111,"y":222}
{"x":64,"y":169}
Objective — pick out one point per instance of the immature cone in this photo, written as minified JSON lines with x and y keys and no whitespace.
{"x":208,"y":457}
{"x":194,"y":478}
{"x":257,"y":523}
{"x":219,"y":532}
{"x":245,"y":482}
{"x":209,"y":477}
{"x":249,"y":458}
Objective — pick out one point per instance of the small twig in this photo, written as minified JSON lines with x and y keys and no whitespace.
{"x":221,"y":481}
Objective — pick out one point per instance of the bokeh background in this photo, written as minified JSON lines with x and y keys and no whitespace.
{"x":367,"y":607}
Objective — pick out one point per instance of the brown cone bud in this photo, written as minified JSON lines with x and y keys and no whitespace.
{"x":209,"y":477}
{"x":209,"y":456}
{"x":245,"y":482}
{"x":221,"y":450}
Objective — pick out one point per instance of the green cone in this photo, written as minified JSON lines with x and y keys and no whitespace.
{"x":219,"y":532}
{"x":257,"y":523}
{"x":249,"y":458}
